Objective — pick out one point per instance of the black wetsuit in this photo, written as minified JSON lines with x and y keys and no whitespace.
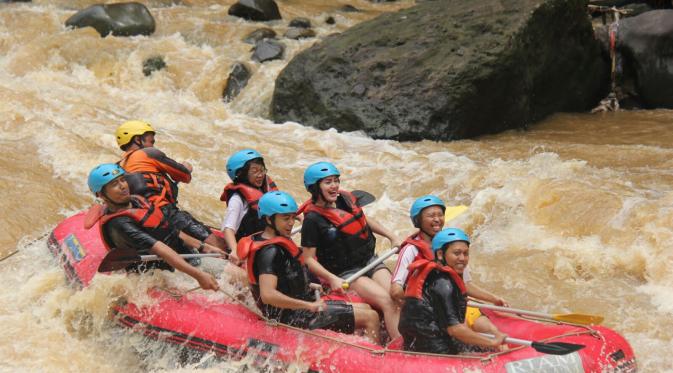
{"x":423,"y":322}
{"x":293,"y":282}
{"x":337,"y":252}
{"x":125,"y":233}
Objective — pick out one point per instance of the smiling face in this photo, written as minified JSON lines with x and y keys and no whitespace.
{"x":456,"y":255}
{"x":329,"y":188}
{"x":256,"y":173}
{"x":284,"y":224}
{"x":431,"y":220}
{"x":117,"y":191}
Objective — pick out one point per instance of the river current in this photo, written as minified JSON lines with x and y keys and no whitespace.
{"x":573,"y":215}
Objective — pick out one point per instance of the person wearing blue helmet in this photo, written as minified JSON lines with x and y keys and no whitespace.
{"x":131,"y":222}
{"x":279,"y":279}
{"x":249,"y":182}
{"x":338,"y":240}
{"x":433,"y":314}
{"x":427,"y":214}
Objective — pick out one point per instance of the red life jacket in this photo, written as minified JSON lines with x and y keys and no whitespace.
{"x":424,"y":248}
{"x":351,"y":224}
{"x":418,"y":273}
{"x":147,"y":215}
{"x":249,"y":193}
{"x":247,"y":248}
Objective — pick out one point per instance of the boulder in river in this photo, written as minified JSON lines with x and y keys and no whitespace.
{"x":259,"y":34}
{"x":267,"y":50}
{"x":238,"y":79}
{"x":447,"y":69}
{"x":121,"y":19}
{"x":645,"y":44}
{"x":255,"y":10}
{"x":299,"y":33}
{"x":300,"y":22}
{"x":153,"y":64}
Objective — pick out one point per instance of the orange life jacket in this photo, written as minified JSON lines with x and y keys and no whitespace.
{"x":424,"y":248}
{"x":351,"y":224}
{"x":145,"y":180}
{"x":247,"y":248}
{"x":418,"y":273}
{"x":147,"y":215}
{"x":249,"y":193}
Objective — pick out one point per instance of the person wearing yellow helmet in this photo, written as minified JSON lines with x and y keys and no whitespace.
{"x":153,"y":175}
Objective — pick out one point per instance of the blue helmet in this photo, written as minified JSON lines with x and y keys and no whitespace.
{"x":318,"y":171}
{"x":421,"y":203}
{"x":239,"y":159}
{"x":276,"y":202}
{"x":446,"y":236}
{"x":103,"y":174}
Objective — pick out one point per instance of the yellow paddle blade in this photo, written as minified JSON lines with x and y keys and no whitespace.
{"x":578,"y":318}
{"x":453,"y":211}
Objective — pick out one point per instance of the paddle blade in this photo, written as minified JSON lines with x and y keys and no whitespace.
{"x":556,"y":348}
{"x":578,"y":318}
{"x":118,"y":259}
{"x":363,"y":198}
{"x":453,"y":211}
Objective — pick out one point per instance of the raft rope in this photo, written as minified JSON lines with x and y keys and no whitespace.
{"x":27,"y":244}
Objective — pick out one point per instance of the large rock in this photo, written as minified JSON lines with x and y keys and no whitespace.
{"x":259,"y":34}
{"x":255,"y":10}
{"x":447,"y":69}
{"x":122,"y":19}
{"x":645,"y":44}
{"x":238,"y":79}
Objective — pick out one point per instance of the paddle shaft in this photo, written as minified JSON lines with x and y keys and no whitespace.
{"x":347,"y":282}
{"x":150,"y":258}
{"x":510,"y":310}
{"x":514,"y":341}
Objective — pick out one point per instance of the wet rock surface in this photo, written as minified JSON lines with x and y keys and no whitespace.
{"x":255,"y":10}
{"x":259,"y":34}
{"x":238,"y":79}
{"x":153,"y":64}
{"x":645,"y":45}
{"x":447,"y":69}
{"x":267,"y":50}
{"x":121,"y":19}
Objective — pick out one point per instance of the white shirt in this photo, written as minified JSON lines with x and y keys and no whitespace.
{"x":236,"y":210}
{"x":406,"y":256}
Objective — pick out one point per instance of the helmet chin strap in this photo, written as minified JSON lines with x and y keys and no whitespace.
{"x":273,"y":225}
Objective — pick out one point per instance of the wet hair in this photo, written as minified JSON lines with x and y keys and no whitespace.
{"x":243,"y":172}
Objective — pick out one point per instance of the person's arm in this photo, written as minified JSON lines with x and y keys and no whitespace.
{"x":383,"y":231}
{"x":310,"y":232}
{"x":475,"y":291}
{"x":236,"y":210}
{"x":463,"y":333}
{"x":196,"y":244}
{"x":335,"y":282}
{"x":441,"y":293}
{"x":270,"y":295}
{"x":177,"y":171}
{"x":399,"y":279}
{"x":205,"y":280}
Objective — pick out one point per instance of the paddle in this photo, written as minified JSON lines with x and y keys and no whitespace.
{"x":552,"y":348}
{"x":347,"y":282}
{"x":453,"y":211}
{"x":574,"y":318}
{"x":121,"y":258}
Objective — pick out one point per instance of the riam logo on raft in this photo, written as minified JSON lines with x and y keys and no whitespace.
{"x":76,"y":248}
{"x":571,"y":363}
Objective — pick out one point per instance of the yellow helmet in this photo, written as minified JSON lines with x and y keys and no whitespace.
{"x":127,"y":130}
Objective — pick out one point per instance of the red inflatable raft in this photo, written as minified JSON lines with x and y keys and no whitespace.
{"x":230,"y":330}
